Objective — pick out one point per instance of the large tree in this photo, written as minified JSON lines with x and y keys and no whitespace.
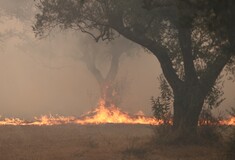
{"x":193,"y":37}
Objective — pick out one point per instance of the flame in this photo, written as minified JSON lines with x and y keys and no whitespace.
{"x":230,"y":121}
{"x":43,"y":120}
{"x":11,"y":121}
{"x":100,"y":115}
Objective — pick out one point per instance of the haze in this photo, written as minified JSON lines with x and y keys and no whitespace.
{"x":46,"y":76}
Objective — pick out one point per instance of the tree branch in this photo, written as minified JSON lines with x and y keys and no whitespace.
{"x":159,"y":51}
{"x":213,"y":70}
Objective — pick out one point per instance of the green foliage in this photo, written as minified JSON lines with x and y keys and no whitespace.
{"x":160,"y":110}
{"x":215,"y":96}
{"x":161,"y":105}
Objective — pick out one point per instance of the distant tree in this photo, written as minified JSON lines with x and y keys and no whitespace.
{"x":193,"y":37}
{"x":111,"y":89}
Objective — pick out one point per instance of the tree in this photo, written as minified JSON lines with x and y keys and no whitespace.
{"x":163,"y":103}
{"x":193,"y":38}
{"x":110,"y":88}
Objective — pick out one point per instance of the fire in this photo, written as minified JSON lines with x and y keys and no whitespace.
{"x":11,"y":121}
{"x":230,"y":121}
{"x":43,"y":120}
{"x":100,"y":115}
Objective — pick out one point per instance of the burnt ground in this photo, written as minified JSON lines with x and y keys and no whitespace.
{"x":93,"y":142}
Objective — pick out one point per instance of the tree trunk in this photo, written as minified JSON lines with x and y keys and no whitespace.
{"x":108,"y":94}
{"x":108,"y":88}
{"x":188,"y":102}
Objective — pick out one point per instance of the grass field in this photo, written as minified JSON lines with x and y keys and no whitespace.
{"x":93,"y":142}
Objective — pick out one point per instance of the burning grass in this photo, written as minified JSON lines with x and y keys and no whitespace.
{"x":100,"y":115}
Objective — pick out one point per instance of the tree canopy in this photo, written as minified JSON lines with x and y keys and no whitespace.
{"x":157,"y":29}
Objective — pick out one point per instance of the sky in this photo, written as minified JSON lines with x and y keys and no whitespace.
{"x":45,"y":76}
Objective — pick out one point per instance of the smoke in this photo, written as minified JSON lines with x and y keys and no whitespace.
{"x":47,"y":76}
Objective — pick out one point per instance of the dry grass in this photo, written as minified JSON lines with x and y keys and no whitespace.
{"x":103,"y":142}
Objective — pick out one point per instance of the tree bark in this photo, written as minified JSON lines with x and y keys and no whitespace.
{"x":188,"y":102}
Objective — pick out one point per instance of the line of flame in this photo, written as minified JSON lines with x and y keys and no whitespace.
{"x":101,"y":115}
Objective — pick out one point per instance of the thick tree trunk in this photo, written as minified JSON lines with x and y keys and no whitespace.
{"x":188,"y":102}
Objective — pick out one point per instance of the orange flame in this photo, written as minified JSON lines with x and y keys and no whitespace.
{"x":43,"y":120}
{"x":11,"y":121}
{"x":113,"y":114}
{"x":101,"y":115}
{"x":230,"y":121}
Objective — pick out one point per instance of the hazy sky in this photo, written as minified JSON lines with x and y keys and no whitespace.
{"x":46,"y":76}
